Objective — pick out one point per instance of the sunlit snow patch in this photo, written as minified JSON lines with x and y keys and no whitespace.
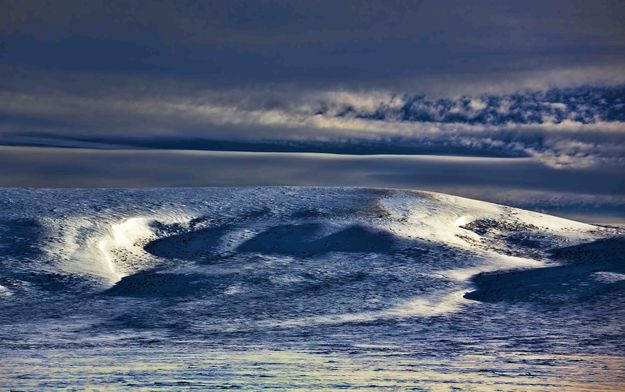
{"x":608,"y":277}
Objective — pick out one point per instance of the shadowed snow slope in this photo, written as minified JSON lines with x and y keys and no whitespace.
{"x":585,"y":271}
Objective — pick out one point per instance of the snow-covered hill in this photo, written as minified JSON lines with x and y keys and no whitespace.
{"x":297,"y":267}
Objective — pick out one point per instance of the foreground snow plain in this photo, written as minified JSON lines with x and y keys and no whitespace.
{"x":300,"y":288}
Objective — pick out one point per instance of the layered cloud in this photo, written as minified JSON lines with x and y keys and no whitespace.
{"x":424,"y":77}
{"x":560,"y":126}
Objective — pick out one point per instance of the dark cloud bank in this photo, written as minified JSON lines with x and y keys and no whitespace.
{"x":515,"y":102}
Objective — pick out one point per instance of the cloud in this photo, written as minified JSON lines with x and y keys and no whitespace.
{"x":423,"y":46}
{"x":560,"y":127}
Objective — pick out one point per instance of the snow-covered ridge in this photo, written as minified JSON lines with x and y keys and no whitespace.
{"x":446,"y":218}
{"x":106,"y":250}
{"x":112,"y":249}
{"x":413,"y":254}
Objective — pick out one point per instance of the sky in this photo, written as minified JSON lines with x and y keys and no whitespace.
{"x":517,"y":102}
